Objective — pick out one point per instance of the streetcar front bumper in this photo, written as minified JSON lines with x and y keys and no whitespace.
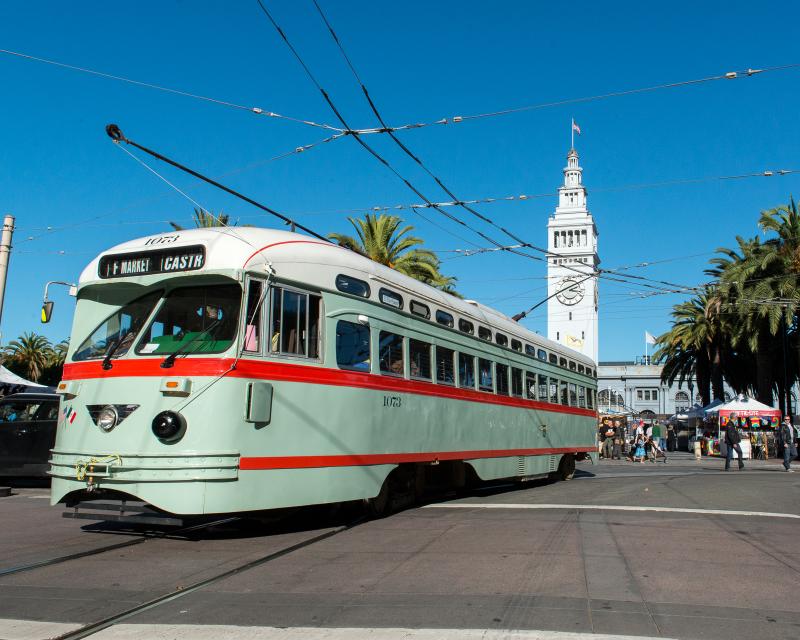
{"x":113,"y":470}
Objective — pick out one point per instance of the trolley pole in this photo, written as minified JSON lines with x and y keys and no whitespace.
{"x":5,"y":254}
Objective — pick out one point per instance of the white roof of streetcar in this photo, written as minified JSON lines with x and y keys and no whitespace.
{"x":302,"y":258}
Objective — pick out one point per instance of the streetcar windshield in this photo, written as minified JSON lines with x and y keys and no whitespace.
{"x":123,"y":327}
{"x":202,"y":319}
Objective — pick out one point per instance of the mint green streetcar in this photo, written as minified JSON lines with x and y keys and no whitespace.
{"x":239,"y":369}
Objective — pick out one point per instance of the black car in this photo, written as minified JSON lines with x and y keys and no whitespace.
{"x":27,"y":433}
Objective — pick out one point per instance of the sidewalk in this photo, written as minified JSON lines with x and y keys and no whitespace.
{"x":686,"y":459}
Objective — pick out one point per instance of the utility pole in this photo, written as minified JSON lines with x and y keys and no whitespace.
{"x":5,"y":254}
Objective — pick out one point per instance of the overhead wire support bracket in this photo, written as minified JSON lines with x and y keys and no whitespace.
{"x":115,"y":133}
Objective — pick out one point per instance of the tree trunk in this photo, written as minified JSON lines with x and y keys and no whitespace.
{"x":702,"y":371}
{"x":717,"y":385}
{"x":764,"y":368}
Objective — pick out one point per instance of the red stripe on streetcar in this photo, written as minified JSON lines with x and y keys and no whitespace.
{"x":360,"y":460}
{"x":280,"y":371}
{"x":276,"y":244}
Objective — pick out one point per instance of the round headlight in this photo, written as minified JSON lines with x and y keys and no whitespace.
{"x":169,"y":426}
{"x":107,"y":418}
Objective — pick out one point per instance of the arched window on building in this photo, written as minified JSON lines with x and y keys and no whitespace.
{"x":602,"y":398}
{"x":681,"y":401}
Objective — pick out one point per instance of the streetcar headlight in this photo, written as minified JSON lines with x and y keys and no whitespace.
{"x":169,"y":426}
{"x":108,"y":418}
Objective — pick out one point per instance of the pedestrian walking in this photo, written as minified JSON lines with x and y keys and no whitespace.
{"x":786,"y":435}
{"x":608,"y":441}
{"x":732,"y":440}
{"x":619,"y":440}
{"x":638,"y":452}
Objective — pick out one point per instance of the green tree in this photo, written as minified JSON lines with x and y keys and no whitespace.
{"x":28,"y":355}
{"x":205,"y":220}
{"x":382,"y":238}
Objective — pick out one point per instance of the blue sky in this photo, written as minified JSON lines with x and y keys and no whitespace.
{"x":421,"y":61}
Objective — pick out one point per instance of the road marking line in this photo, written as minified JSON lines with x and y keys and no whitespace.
{"x":230,"y":632}
{"x":33,"y":630}
{"x":603,"y":507}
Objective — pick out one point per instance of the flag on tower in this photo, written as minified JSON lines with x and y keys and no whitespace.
{"x":649,"y":338}
{"x":576,"y":128}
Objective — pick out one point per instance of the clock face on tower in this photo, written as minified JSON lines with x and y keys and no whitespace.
{"x":570,"y":291}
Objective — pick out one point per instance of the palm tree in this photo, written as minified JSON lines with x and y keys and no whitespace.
{"x":205,"y":220}
{"x":29,"y":355}
{"x":382,"y":239}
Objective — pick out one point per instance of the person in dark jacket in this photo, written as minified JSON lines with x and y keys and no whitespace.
{"x":732,"y":439}
{"x":786,"y":437}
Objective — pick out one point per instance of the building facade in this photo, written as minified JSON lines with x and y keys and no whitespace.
{"x":635,"y":388}
{"x":572,"y":265}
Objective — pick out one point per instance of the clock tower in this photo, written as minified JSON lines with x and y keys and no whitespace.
{"x":571,"y":263}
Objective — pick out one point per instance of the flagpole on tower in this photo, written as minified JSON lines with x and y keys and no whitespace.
{"x":572,"y":132}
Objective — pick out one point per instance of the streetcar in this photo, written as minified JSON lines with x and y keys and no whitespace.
{"x":230,"y":370}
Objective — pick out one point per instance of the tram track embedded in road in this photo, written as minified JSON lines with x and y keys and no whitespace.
{"x":105,"y":623}
{"x":112,"y":547}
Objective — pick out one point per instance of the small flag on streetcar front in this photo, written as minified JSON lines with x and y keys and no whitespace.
{"x":69,"y":414}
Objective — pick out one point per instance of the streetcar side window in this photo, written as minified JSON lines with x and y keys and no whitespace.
{"x":571,"y":365}
{"x":466,"y":370}
{"x":419,"y":358}
{"x":543,"y":388}
{"x":390,"y":353}
{"x":516,"y":382}
{"x":442,"y":317}
{"x":542,"y":355}
{"x":553,"y":358}
{"x":252,"y":319}
{"x":485,"y":375}
{"x":564,"y":386}
{"x":516,"y":345}
{"x":562,"y":362}
{"x":573,"y":395}
{"x":353,"y":286}
{"x":502,"y":379}
{"x":466,"y":326}
{"x":501,"y":339}
{"x":445,"y":370}
{"x":580,"y":368}
{"x":419,"y":309}
{"x":390,"y":298}
{"x":582,"y":397}
{"x":352,"y":346}
{"x":484,"y":333}
{"x":294,"y":323}
{"x":530,"y":350}
{"x":530,"y":385}
{"x":589,"y":400}
{"x":554,"y":390}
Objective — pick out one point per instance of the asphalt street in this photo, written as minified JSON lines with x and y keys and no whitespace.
{"x":677,"y":550}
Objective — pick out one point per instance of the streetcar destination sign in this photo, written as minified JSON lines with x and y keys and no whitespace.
{"x":144,"y":263}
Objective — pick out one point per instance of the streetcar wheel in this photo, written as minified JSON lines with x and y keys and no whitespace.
{"x":378,"y":507}
{"x":566,"y":468}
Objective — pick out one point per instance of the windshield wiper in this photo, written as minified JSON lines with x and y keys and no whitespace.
{"x":111,"y":351}
{"x":170,"y":359}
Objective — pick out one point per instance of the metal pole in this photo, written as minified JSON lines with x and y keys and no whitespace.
{"x":5,"y":253}
{"x":787,"y":393}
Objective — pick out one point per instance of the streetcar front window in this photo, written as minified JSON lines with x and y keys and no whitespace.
{"x":194,"y":320}
{"x":119,"y":330}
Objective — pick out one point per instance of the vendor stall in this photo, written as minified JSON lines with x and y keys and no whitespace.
{"x":756,"y":421}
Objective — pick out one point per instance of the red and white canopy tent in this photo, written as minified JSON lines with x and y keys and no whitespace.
{"x":746,"y":412}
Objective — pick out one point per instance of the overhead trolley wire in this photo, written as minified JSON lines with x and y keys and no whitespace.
{"x":729,"y":75}
{"x":377,"y":156}
{"x":225,"y":103}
